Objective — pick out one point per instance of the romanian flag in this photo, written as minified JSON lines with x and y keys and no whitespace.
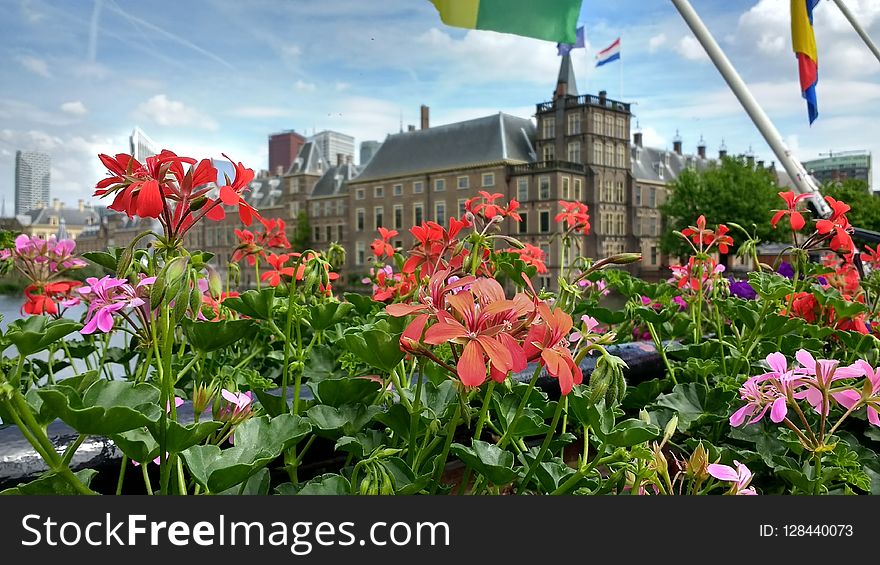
{"x":804,"y":43}
{"x":553,"y":20}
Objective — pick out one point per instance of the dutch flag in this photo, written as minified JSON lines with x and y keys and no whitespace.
{"x":611,"y":53}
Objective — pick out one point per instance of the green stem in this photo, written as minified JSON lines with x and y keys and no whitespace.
{"x":450,"y":434}
{"x":414,"y":422}
{"x":560,"y":405}
{"x":655,"y":336}
{"x":121,"y":474}
{"x":71,"y":450}
{"x":147,"y":484}
{"x":502,"y":443}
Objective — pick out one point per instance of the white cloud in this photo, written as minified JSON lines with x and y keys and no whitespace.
{"x":689,"y":48}
{"x":304,"y":86}
{"x":652,"y":138}
{"x":75,"y":108}
{"x":657,"y":42}
{"x":342,"y":86}
{"x":261,"y":112}
{"x":34,"y":65}
{"x":290,"y":51}
{"x":172,"y":113}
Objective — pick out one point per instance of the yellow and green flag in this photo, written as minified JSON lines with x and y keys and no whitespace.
{"x":553,"y":20}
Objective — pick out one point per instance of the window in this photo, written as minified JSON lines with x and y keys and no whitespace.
{"x":578,"y":189}
{"x":316,"y":209}
{"x":378,"y":213}
{"x":608,"y":191}
{"x":574,"y":152}
{"x":619,"y":192}
{"x":609,"y":155}
{"x":360,"y":194}
{"x":545,"y":221}
{"x":548,"y":153}
{"x":522,"y":189}
{"x":545,"y":249}
{"x":398,"y":244}
{"x":544,"y":191}
{"x":621,"y":128}
{"x":652,"y":197}
{"x":566,"y":188}
{"x":544,"y":282}
{"x":418,"y":187}
{"x":439,"y":185}
{"x":327,"y":208}
{"x":294,"y":209}
{"x":597,"y":153}
{"x":317,"y":234}
{"x":329,"y":233}
{"x":597,"y":124}
{"x":523,"y":226}
{"x":463,"y":182}
{"x":340,"y":232}
{"x":398,"y":190}
{"x":440,"y":212}
{"x":461,"y":207}
{"x":418,"y":214}
{"x":378,"y":192}
{"x":637,"y":195}
{"x":604,"y":217}
{"x":637,"y":226}
{"x":653,"y":226}
{"x":360,"y":252}
{"x":621,"y":157}
{"x":609,"y":125}
{"x":654,"y":255}
{"x":549,"y":128}
{"x":398,"y":216}
{"x":294,"y":186}
{"x":574,"y":123}
{"x":361,"y":214}
{"x":488,"y":179}
{"x":621,"y":224}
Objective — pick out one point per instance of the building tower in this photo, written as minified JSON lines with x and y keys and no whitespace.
{"x":283,"y":150}
{"x":31,"y":181}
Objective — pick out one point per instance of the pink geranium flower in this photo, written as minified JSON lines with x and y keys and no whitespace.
{"x":106,"y":296}
{"x":818,"y":375}
{"x":739,"y":476}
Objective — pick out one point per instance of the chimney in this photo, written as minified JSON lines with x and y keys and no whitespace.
{"x":760,"y":164}
{"x":603,"y":96}
{"x":637,"y":138}
{"x":56,"y":204}
{"x":410,"y":127}
{"x":750,"y":159}
{"x":81,"y":204}
{"x":701,"y":148}
{"x":722,"y":151}
{"x":676,"y":144}
{"x":425,"y":115}
{"x":340,"y":159}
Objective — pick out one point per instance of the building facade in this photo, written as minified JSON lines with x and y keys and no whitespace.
{"x":32,"y":181}
{"x":368,"y":149}
{"x":841,"y":166}
{"x":337,"y":148}
{"x":283,"y":149}
{"x":141,"y":146}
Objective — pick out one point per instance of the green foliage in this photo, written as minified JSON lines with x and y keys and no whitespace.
{"x":731,"y":192}
{"x":302,"y":236}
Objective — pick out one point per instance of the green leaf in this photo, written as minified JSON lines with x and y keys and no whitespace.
{"x":770,"y":286}
{"x":106,"y":407}
{"x":631,"y":432}
{"x":375,"y":344}
{"x":258,"y":441}
{"x":210,"y":336}
{"x":530,"y":423}
{"x":345,"y":390}
{"x":324,"y":485}
{"x":487,"y":459}
{"x":36,"y":333}
{"x":346,"y":420}
{"x":257,"y":485}
{"x":328,"y":314}
{"x":694,"y":403}
{"x":364,"y":305}
{"x":645,"y":393}
{"x":52,"y":484}
{"x":256,"y":304}
{"x":439,"y":400}
{"x":405,"y":481}
{"x":102,"y":258}
{"x":551,"y":474}
{"x":397,"y":418}
{"x":363,"y":443}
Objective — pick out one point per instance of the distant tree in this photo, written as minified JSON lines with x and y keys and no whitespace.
{"x":730,"y":192}
{"x":302,"y":237}
{"x":865,"y":206}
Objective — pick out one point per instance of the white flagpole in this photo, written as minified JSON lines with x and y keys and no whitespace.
{"x":799,"y":176}
{"x":621,"y":70}
{"x":858,"y":27}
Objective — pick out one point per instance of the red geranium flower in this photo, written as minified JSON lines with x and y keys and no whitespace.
{"x":484,"y":206}
{"x":575,"y":216}
{"x":532,"y":256}
{"x":705,"y":238}
{"x":838,"y":228}
{"x":230,"y":194}
{"x":549,"y":340}
{"x":381,"y":247}
{"x":795,"y":218}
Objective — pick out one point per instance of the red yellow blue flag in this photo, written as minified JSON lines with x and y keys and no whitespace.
{"x":804,"y":43}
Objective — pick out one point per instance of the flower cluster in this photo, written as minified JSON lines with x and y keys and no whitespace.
{"x":45,"y":263}
{"x":310,"y":267}
{"x":254,"y":245}
{"x":703,"y":239}
{"x":175,"y":190}
{"x":109,"y":296}
{"x":574,"y":216}
{"x":483,"y":206}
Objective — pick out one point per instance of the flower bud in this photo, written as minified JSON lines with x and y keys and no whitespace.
{"x":215,"y":282}
{"x":175,"y":269}
{"x":202,"y":398}
{"x":698,"y":464}
{"x":670,"y":428}
{"x":197,"y":203}
{"x":644,"y":416}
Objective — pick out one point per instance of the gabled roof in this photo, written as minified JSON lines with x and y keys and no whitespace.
{"x":648,"y":162}
{"x":335,"y":181}
{"x":309,"y":161}
{"x":497,"y":138}
{"x":71,"y":216}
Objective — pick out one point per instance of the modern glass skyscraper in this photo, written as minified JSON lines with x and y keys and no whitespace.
{"x":141,"y":145}
{"x":31,"y":181}
{"x":335,"y":147}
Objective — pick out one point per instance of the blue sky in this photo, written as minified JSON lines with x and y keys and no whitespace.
{"x":216,"y":76}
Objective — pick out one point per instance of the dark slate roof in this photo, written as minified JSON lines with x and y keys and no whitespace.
{"x":335,"y":181}
{"x":566,"y":75}
{"x":71,"y":216}
{"x":648,"y":162}
{"x":265,"y":192}
{"x":309,"y":161}
{"x":500,"y":137}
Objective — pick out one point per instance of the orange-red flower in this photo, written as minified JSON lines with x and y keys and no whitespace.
{"x":575,"y":216}
{"x":532,"y":256}
{"x":705,"y":238}
{"x":549,"y":341}
{"x":794,"y":216}
{"x":382,"y":247}
{"x":837,"y":228}
{"x":231,"y":193}
{"x":433,"y":244}
{"x":485,"y":207}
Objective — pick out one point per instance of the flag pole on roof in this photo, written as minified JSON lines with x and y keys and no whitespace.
{"x":551,"y":20}
{"x":802,"y":181}
{"x":858,"y":27}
